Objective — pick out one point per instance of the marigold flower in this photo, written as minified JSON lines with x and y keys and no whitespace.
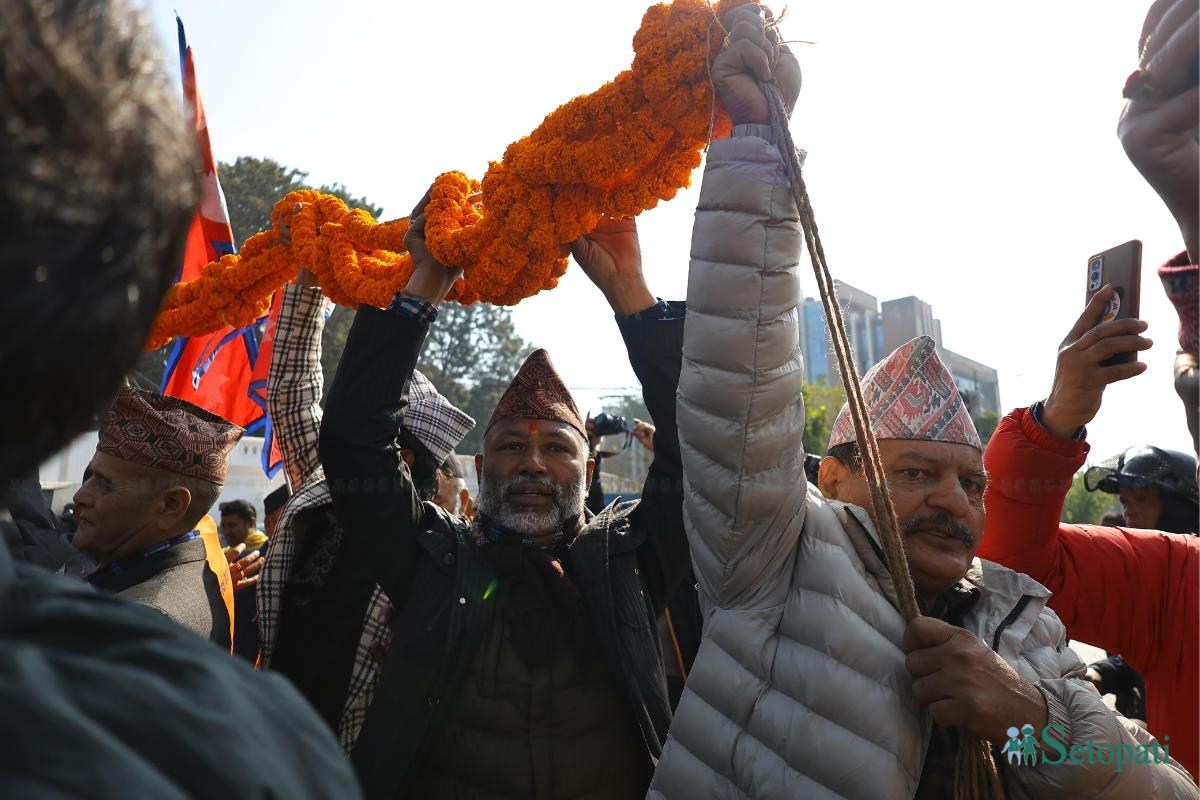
{"x":616,"y":152}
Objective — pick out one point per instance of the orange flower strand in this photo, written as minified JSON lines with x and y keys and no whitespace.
{"x":616,"y":152}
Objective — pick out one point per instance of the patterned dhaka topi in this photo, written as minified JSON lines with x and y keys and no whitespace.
{"x":537,"y":392}
{"x":910,"y":395}
{"x":168,"y":434}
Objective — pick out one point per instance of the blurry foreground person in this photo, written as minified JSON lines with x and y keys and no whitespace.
{"x":1160,"y":131}
{"x":111,"y":699}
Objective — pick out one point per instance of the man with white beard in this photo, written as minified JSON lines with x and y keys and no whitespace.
{"x":524,"y":658}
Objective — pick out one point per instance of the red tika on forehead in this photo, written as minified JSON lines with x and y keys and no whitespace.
{"x":537,"y":392}
{"x":911,"y":395}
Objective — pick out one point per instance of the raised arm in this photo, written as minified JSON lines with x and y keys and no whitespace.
{"x":372,"y":488}
{"x":1092,"y":571}
{"x":1031,"y":459}
{"x":653,"y":334}
{"x":741,"y":417}
{"x":655,"y":345}
{"x":295,"y":382}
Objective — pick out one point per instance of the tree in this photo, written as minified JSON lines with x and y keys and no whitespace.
{"x":985,"y":424}
{"x":1083,"y":507}
{"x":822,"y":402}
{"x":252,"y":188}
{"x":254,"y":185}
{"x":471,"y":355}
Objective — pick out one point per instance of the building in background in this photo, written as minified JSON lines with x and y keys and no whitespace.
{"x":876,"y":329}
{"x":861,"y":312}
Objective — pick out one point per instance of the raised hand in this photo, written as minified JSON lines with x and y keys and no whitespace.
{"x":244,"y":569}
{"x":644,"y":433}
{"x":753,"y":52}
{"x":612,"y":258}
{"x":304,"y":276}
{"x":1079,"y":378}
{"x":1158,"y":127}
{"x":430,"y":280}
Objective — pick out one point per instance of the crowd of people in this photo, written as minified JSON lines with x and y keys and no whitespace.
{"x":735,"y":632}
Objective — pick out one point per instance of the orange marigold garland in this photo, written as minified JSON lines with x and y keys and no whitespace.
{"x":615,"y":153}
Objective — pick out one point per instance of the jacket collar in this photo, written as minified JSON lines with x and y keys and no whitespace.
{"x":1002,"y":591}
{"x":144,"y":567}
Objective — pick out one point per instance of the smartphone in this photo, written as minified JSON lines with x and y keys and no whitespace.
{"x":1122,"y":267}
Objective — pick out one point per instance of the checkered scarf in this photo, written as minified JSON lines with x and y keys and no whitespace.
{"x":430,"y":417}
{"x":294,"y":392}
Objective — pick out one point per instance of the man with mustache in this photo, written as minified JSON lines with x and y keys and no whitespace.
{"x":524,"y":658}
{"x":808,"y":682}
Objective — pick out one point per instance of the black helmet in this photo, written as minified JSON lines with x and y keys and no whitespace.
{"x":1146,"y":468}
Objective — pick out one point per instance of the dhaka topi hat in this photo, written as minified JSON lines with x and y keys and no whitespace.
{"x":537,"y":392}
{"x":170,"y":434}
{"x":911,"y":395}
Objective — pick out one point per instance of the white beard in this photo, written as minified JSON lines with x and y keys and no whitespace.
{"x":567,"y":505}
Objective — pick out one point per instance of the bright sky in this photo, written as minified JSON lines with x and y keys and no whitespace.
{"x":962,"y":152}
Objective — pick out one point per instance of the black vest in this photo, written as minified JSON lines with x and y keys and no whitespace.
{"x":440,"y":627}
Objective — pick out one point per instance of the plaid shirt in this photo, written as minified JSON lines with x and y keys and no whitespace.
{"x":294,"y":389}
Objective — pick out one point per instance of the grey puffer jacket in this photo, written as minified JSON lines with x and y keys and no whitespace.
{"x":800,"y":687}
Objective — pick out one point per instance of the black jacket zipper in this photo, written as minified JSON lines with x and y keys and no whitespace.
{"x":1012,"y":615}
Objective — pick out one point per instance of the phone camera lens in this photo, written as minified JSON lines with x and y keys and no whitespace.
{"x":1096,"y":264}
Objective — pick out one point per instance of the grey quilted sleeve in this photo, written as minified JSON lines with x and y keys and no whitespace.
{"x":740,"y":412}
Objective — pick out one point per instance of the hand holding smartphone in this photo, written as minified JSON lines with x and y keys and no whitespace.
{"x":1122,"y":267}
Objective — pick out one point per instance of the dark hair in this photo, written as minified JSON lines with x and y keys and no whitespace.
{"x":98,"y":184}
{"x":276,"y":500}
{"x":849,"y":454}
{"x":240,"y":508}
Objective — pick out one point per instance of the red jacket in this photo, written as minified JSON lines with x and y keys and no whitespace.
{"x":1133,"y":592}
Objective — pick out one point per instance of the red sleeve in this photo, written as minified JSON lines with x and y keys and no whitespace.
{"x":1029,"y":475}
{"x":1113,"y":588}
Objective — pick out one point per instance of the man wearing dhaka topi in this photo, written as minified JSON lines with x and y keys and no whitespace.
{"x":809,"y":682}
{"x":524,"y":658}
{"x":158,"y":468}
